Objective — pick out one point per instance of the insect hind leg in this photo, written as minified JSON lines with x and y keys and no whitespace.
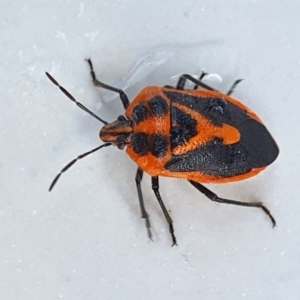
{"x":98,"y":83}
{"x":202,"y":75}
{"x":155,"y":188}
{"x":212,"y":196}
{"x":138,"y":179}
{"x":182,"y":82}
{"x":230,"y":91}
{"x":198,"y":83}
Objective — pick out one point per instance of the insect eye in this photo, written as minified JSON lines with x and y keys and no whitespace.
{"x":121,"y":118}
{"x":121,"y":146}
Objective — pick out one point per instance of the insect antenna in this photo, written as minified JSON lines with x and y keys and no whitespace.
{"x":71,"y":163}
{"x":89,"y":112}
{"x":73,"y":99}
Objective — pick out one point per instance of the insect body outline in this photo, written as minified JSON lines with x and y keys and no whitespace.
{"x":201,"y":135}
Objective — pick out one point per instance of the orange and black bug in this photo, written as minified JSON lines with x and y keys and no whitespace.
{"x":203,"y":136}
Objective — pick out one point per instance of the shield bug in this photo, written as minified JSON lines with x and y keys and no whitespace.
{"x":201,"y":135}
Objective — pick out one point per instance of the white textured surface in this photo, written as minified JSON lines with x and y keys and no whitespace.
{"x":85,"y":240}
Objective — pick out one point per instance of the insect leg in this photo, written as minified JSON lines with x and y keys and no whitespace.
{"x":170,"y":87}
{"x":198,"y":83}
{"x":98,"y":83}
{"x":181,"y":83}
{"x":138,"y":179}
{"x":233,"y":86}
{"x":202,"y":75}
{"x":215,"y":198}
{"x":155,"y":188}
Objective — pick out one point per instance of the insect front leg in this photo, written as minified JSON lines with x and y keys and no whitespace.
{"x":155,"y":188}
{"x":98,"y":83}
{"x":212,"y":196}
{"x":138,"y":179}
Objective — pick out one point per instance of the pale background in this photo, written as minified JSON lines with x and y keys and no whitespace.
{"x":86,"y":240}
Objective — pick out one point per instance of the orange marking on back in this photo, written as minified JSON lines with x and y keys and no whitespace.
{"x":152,"y":125}
{"x":206,"y":131}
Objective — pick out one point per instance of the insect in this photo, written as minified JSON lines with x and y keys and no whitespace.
{"x":201,"y":135}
